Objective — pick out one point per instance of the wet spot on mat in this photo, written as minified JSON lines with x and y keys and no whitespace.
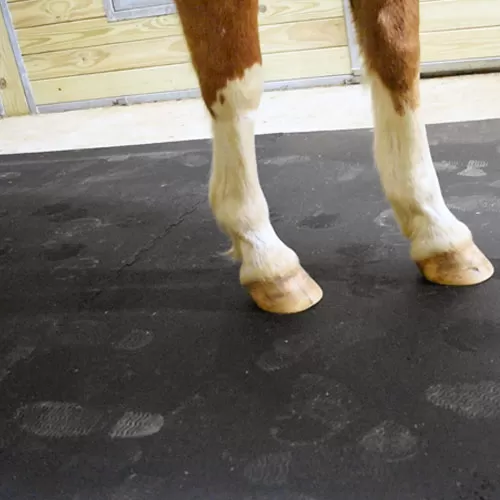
{"x":319,"y":221}
{"x":62,"y":251}
{"x":194,"y":160}
{"x":61,"y":212}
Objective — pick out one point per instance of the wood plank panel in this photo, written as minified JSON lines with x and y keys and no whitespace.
{"x":458,"y":14}
{"x":460,"y":44}
{"x":144,"y":54}
{"x":29,"y":13}
{"x":436,"y":15}
{"x":11,"y":87}
{"x":40,"y":12}
{"x":286,"y":11}
{"x":305,"y":35}
{"x":288,"y":65}
{"x":95,"y":32}
{"x":307,"y":64}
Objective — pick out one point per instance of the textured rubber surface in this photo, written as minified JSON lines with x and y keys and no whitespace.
{"x":133,"y":366}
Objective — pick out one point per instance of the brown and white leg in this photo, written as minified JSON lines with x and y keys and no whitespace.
{"x":223,"y":40}
{"x":441,"y":245}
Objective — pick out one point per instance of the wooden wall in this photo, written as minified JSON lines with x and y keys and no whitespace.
{"x":73,"y":53}
{"x":12,"y":95}
{"x":459,"y":29}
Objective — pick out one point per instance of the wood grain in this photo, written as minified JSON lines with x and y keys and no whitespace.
{"x":95,"y":32}
{"x":29,"y":13}
{"x":460,"y":44}
{"x":11,"y":87}
{"x":41,"y":12}
{"x":72,"y":52}
{"x":172,"y":50}
{"x":437,"y":15}
{"x":445,"y":15}
{"x":286,"y":11}
{"x":280,"y":66}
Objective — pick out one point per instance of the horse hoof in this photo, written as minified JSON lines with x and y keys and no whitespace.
{"x":462,"y":267}
{"x":292,"y":294}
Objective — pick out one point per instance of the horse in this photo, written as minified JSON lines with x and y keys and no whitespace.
{"x":223,"y":41}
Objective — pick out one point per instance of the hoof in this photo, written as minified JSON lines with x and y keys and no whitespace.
{"x":466,"y":266}
{"x":292,"y":294}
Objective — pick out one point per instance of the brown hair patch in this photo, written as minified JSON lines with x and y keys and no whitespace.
{"x":388,"y":33}
{"x":223,"y":39}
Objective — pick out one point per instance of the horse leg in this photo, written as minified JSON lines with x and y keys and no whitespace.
{"x":441,"y":245}
{"x":223,"y":39}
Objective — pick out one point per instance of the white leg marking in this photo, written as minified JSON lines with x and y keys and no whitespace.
{"x":236,"y":197}
{"x":410,"y":181}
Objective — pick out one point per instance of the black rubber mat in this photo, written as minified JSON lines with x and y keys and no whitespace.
{"x":134,"y":367}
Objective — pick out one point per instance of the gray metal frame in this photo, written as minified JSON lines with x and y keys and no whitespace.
{"x":21,"y":68}
{"x":156,"y":10}
{"x":461,"y":67}
{"x":352,"y":42}
{"x":300,"y":83}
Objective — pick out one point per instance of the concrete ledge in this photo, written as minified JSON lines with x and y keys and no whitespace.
{"x":445,"y":100}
